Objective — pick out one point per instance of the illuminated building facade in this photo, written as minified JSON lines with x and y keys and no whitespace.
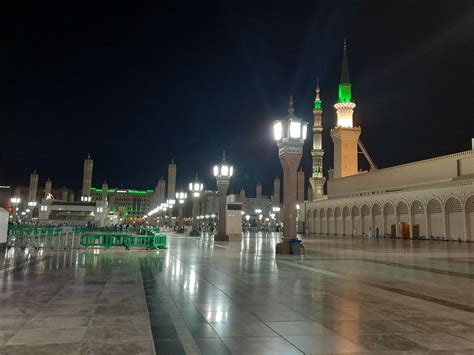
{"x":127,"y":203}
{"x":423,"y":199}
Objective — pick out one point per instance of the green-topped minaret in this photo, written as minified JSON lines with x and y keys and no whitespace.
{"x":345,"y":92}
{"x":345,"y":136}
{"x":317,"y":180}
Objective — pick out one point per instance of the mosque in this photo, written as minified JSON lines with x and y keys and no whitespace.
{"x":423,"y":199}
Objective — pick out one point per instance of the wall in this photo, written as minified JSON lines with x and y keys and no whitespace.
{"x":423,"y":172}
{"x":448,"y":222}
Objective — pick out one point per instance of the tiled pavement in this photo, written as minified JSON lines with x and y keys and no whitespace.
{"x":344,"y":296}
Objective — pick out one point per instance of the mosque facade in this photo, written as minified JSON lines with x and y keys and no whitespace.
{"x":432,"y":198}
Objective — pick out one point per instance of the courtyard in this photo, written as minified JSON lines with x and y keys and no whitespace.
{"x":346,"y":295}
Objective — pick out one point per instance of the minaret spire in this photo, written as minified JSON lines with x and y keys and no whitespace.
{"x":345,"y":136}
{"x":291,"y":109}
{"x":317,"y":179}
{"x":345,"y":92}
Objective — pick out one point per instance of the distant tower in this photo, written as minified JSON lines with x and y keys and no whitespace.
{"x":242,"y":194}
{"x":105,"y":187}
{"x":276,"y":191}
{"x":161,"y":190}
{"x":47,"y":187}
{"x":33,"y":191}
{"x":317,"y":179}
{"x":171,"y":180}
{"x":310,"y":193}
{"x":87,"y":179}
{"x":300,"y":185}
{"x":258,"y":191}
{"x":64,"y":194}
{"x":344,"y":135}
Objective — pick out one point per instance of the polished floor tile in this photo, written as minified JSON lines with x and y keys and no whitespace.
{"x":344,"y":296}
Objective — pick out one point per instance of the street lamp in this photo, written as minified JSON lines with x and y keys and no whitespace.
{"x":15,"y":201}
{"x":222,"y":172}
{"x":290,"y":135}
{"x":195,"y":188}
{"x":181,"y":197}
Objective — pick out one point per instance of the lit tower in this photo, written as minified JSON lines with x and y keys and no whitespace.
{"x":276,"y":191}
{"x":258,"y":191}
{"x":317,"y":179}
{"x":87,"y":177}
{"x":47,"y":187}
{"x":105,"y":188}
{"x":33,"y":191}
{"x":161,"y":190}
{"x":171,"y":180}
{"x":344,"y":135}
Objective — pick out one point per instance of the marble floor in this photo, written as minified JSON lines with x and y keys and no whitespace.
{"x":345,"y":295}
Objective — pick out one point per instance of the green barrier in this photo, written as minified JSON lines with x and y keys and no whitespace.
{"x":150,"y":242}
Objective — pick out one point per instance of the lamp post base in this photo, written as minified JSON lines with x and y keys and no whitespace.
{"x":285,"y":247}
{"x":221,"y":238}
{"x":194,"y":233}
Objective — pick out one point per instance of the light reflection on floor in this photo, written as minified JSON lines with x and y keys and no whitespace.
{"x":344,"y":295}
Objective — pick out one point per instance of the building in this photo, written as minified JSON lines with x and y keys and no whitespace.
{"x":73,"y":213}
{"x":428,"y":198}
{"x":129,"y":204}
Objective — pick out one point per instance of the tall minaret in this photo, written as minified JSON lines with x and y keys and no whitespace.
{"x":317,"y":179}
{"x":87,"y":178}
{"x":300,"y":185}
{"x":258,"y":191}
{"x":47,"y":187}
{"x":161,"y":190}
{"x":242,"y":194}
{"x":276,"y":191}
{"x":344,"y":135}
{"x":33,"y":191}
{"x":105,"y":188}
{"x":171,"y":180}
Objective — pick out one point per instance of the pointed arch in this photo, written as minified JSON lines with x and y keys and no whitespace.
{"x":435,"y":218}
{"x":454,"y":219}
{"x":338,"y":221}
{"x":469,"y":208}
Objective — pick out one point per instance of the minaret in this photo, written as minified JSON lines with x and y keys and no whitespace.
{"x":344,"y":135}
{"x":87,"y":178}
{"x":161,"y":190}
{"x":258,"y":191}
{"x":310,"y":193}
{"x":242,"y":194}
{"x":317,"y":179}
{"x":276,"y":191}
{"x":300,"y":185}
{"x":105,"y":187}
{"x":47,"y":187}
{"x":64,"y":194}
{"x":33,"y":191}
{"x":171,"y":180}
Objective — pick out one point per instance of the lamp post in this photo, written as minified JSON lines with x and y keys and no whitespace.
{"x":31,"y":205}
{"x":195,"y":188}
{"x":171,"y":202}
{"x":222,"y":172}
{"x":15,"y":201}
{"x":181,"y":197}
{"x":290,"y":135}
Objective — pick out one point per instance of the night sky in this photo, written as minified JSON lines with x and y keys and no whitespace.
{"x":136,"y":86}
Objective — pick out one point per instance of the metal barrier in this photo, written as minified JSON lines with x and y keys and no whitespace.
{"x":155,"y":241}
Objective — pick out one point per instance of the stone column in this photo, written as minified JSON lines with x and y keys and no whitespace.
{"x":180,"y":214}
{"x":290,"y":163}
{"x":222,"y":186}
{"x":195,"y":230}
